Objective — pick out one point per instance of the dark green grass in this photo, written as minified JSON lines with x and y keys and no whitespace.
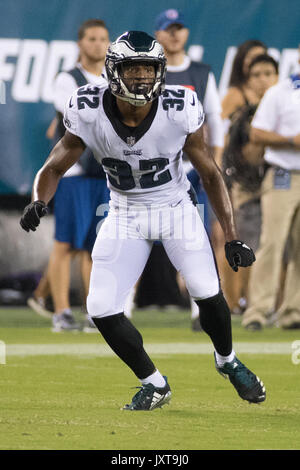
{"x":73,"y":402}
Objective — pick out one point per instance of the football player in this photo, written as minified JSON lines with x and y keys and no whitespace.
{"x":138,"y":129}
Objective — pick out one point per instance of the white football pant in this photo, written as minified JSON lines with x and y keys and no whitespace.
{"x":123,"y":246}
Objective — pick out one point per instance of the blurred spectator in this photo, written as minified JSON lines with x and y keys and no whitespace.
{"x":276,"y":126}
{"x":82,"y":189}
{"x":243,"y":164}
{"x":239,"y":94}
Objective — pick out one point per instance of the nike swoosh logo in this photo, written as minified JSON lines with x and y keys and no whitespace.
{"x":176,"y":203}
{"x":193,"y":102}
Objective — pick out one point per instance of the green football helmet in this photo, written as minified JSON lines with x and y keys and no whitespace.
{"x":133,"y":48}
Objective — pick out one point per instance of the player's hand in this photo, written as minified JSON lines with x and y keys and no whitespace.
{"x":239,"y":254}
{"x":32,"y":215}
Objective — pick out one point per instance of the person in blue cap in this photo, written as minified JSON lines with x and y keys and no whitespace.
{"x":172,"y":33}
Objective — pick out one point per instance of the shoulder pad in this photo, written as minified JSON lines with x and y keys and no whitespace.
{"x":88,"y":101}
{"x":182,"y":105}
{"x":173,"y":100}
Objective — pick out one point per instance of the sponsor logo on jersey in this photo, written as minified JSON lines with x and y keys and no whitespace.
{"x":132,"y":152}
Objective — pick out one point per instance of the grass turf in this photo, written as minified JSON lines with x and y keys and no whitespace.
{"x":73,"y":402}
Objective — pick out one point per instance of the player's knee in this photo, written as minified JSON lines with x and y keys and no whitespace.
{"x":202,"y":288}
{"x":215,"y":305}
{"x":99,"y":304}
{"x":103,"y":292}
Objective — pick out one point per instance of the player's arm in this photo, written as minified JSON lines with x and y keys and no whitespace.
{"x":237,"y":253}
{"x":66,"y":152}
{"x":64,"y":155}
{"x":213,"y":182}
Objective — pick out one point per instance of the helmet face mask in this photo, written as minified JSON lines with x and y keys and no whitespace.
{"x":138,"y":76}
{"x":136,"y":68}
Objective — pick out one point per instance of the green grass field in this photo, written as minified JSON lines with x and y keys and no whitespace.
{"x":65,"y":390}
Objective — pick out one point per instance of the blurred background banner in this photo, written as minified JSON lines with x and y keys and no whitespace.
{"x":37,"y":40}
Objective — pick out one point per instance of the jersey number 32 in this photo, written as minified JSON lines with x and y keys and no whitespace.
{"x":120,"y":174}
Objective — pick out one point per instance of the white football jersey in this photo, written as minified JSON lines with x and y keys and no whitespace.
{"x":144,"y":163}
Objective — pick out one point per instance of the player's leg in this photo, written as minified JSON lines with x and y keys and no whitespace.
{"x":117,"y":265}
{"x":113,"y":275}
{"x":193,"y":258}
{"x":192,"y":255}
{"x":94,"y":203}
{"x":129,"y":304}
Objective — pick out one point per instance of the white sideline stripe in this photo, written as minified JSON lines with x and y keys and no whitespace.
{"x":102,"y":350}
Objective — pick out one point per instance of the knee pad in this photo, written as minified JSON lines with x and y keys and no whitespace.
{"x":102,"y":295}
{"x":100,"y":304}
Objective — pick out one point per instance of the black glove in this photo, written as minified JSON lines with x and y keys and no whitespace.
{"x":239,"y":254}
{"x":32,"y":214}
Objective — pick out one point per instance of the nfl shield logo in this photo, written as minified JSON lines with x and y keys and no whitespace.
{"x":130,"y":141}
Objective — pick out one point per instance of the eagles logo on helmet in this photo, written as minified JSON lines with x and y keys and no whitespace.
{"x":139,"y":48}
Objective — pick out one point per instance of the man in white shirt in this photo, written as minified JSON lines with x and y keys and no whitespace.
{"x":81,"y":190}
{"x":172,"y":33}
{"x":276,"y":125}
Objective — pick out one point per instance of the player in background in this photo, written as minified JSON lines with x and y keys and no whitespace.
{"x":80,"y":192}
{"x":137,"y":131}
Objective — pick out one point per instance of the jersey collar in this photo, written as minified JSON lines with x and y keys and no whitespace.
{"x":130,"y":135}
